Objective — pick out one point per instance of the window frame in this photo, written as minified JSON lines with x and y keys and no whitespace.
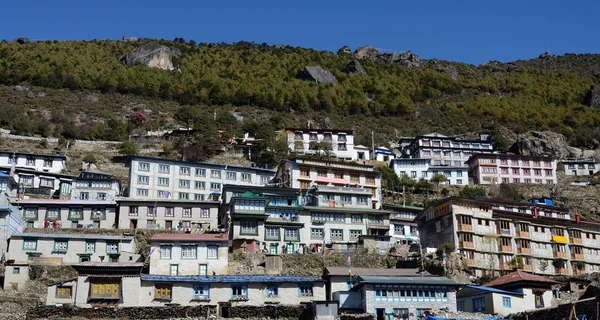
{"x":162,"y":249}
{"x":216,"y":250}
{"x":160,"y":290}
{"x":201,"y":297}
{"x":194,"y":257}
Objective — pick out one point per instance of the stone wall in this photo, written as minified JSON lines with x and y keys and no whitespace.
{"x":202,"y":312}
{"x":587,"y":307}
{"x":273,"y":312}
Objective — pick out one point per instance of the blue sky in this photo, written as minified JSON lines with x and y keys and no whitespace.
{"x":468,"y":31}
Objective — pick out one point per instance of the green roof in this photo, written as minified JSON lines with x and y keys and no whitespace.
{"x":399,"y":206}
{"x":249,"y":194}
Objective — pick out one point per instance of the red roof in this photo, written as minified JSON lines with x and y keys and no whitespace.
{"x":190,"y":237}
{"x":518,"y":276}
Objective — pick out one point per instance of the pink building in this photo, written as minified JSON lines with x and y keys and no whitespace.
{"x":505,"y":168}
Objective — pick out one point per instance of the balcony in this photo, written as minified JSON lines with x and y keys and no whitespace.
{"x":465,"y":244}
{"x":523,"y":234}
{"x":527,"y":267}
{"x":576,"y":240}
{"x":505,"y":249}
{"x":561,"y":271}
{"x":471,"y":262}
{"x":524,"y":250}
{"x":559,"y":255}
{"x":577,"y":256}
{"x":363,"y":191}
{"x":503,"y":232}
{"x":505,"y":266}
{"x":465,"y":227}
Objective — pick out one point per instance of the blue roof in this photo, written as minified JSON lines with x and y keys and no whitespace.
{"x":230,"y":279}
{"x":494,"y":290}
{"x":2,"y":174}
{"x":198,"y":164}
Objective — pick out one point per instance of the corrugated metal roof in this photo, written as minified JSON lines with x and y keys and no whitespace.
{"x":230,"y":279}
{"x":407,"y":280}
{"x":343,"y":271}
{"x":110,"y":264}
{"x":66,"y":202}
{"x":190,"y":237}
{"x":519,"y":276}
{"x":494,"y":290}
{"x":70,"y":236}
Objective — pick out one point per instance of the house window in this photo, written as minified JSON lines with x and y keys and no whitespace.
{"x":48,"y":163}
{"x":169,"y":212}
{"x":151,"y":212}
{"x":142,"y":192}
{"x":215,"y":186}
{"x":272,"y":291}
{"x":165,"y":252}
{"x":133,"y":211}
{"x":249,"y":227}
{"x":316,"y":234}
{"x":30,"y":244}
{"x":145,"y":180}
{"x":105,"y":290}
{"x":101,"y":196}
{"x":212,"y":252}
{"x":357,"y":218}
{"x":16,"y":270}
{"x":272,"y":233}
{"x":61,"y":245}
{"x":305,"y":290}
{"x":239,"y":292}
{"x":199,"y":185}
{"x":144,"y":166}
{"x":174,"y":270}
{"x":162,"y":291}
{"x":460,"y":306}
{"x":188,"y":252}
{"x":200,"y":172}
{"x":246,"y":177}
{"x":187,"y":212}
{"x":506,"y":302}
{"x":199,"y":197}
{"x":202,"y":269}
{"x":164,"y":168}
{"x":63,"y":292}
{"x":184,"y":184}
{"x":479,"y":305}
{"x":215,"y":174}
{"x":163,"y":182}
{"x":163,"y":194}
{"x":273,"y":248}
{"x":90,"y":246}
{"x":355,"y":234}
{"x":337,"y":234}
{"x":53,"y":214}
{"x":185,"y":171}
{"x":112,"y":247}
{"x":201,"y":292}
{"x":231,"y":176}
{"x":291,"y":234}
{"x":184,"y":196}
{"x":31,"y":213}
{"x":45,"y":182}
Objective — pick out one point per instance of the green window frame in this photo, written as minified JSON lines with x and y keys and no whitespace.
{"x":29,"y":247}
{"x":216,"y":252}
{"x":84,"y":256}
{"x":200,"y":273}
{"x":61,"y":245}
{"x":163,"y":250}
{"x":188,"y":255}
{"x":251,"y":227}
{"x":109,"y":243}
{"x":90,"y":246}
{"x":272,"y":237}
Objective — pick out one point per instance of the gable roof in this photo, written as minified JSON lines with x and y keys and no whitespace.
{"x":343,"y":271}
{"x":478,"y":290}
{"x":517,"y":277}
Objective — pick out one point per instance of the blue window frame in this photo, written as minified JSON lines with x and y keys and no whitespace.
{"x":239,"y":292}
{"x":201,"y":292}
{"x":305,"y":290}
{"x":460,"y":306}
{"x":479,"y":304}
{"x":506,"y":303}
{"x":272,"y":291}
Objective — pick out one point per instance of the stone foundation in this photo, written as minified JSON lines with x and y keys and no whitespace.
{"x":200,"y":312}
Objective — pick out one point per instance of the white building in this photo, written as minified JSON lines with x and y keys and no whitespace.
{"x":505,"y":168}
{"x":580,"y":167}
{"x":443,"y":150}
{"x":31,"y":161}
{"x":383,"y":154}
{"x":403,"y":227}
{"x":92,"y":185}
{"x":176,"y":254}
{"x":156,"y":178}
{"x":55,"y":213}
{"x":10,"y":218}
{"x":341,"y":142}
{"x":422,"y":168}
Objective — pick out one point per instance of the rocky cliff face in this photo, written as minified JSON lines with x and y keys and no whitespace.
{"x":593,"y":97}
{"x":406,"y":59}
{"x":152,"y":55}
{"x":545,"y":143}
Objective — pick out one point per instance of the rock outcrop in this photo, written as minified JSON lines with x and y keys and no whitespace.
{"x":152,"y":55}
{"x":593,"y":97}
{"x":546,"y":143}
{"x":406,"y":59}
{"x":354,"y":67}
{"x":344,"y":51}
{"x":317,"y":74}
{"x":409,"y":60}
{"x":367,"y":52}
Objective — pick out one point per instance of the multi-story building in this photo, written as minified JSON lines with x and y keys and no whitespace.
{"x":580,"y":167}
{"x":91,"y":185}
{"x":263,"y":215}
{"x":168,"y":214}
{"x":443,"y":150}
{"x":496,"y":235}
{"x":189,"y":254}
{"x":332,"y":184}
{"x":417,"y":169}
{"x":505,"y":168}
{"x":31,"y":161}
{"x":383,"y":154}
{"x":155,"y":178}
{"x":10,"y":218}
{"x":55,"y":213}
{"x":41,"y":183}
{"x":27,"y":249}
{"x":403,"y":227}
{"x":339,"y":142}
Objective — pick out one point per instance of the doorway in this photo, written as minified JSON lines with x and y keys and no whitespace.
{"x":380,"y":313}
{"x":132,"y":224}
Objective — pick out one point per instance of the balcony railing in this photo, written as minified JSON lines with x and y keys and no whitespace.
{"x":505,"y":266}
{"x":527,"y":267}
{"x":561,"y":271}
{"x":524,"y":250}
{"x":577,"y":256}
{"x":466,"y":244}
{"x":523,"y":234}
{"x":465,"y":227}
{"x":471,"y":262}
{"x":346,"y":189}
{"x":505,"y":248}
{"x":559,"y":254}
{"x":504,"y":232}
{"x":576,"y":240}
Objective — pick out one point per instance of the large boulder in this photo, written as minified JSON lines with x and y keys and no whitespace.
{"x":409,"y":60}
{"x":152,"y":55}
{"x":367,"y":52}
{"x":593,"y":97}
{"x":354,"y":67}
{"x":545,"y":143}
{"x":317,"y":74}
{"x":344,"y":51}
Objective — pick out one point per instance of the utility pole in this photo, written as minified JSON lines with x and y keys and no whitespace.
{"x":373,"y":144}
{"x":403,"y":196}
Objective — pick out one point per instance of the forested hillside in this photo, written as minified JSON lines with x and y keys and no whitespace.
{"x":260,"y":82}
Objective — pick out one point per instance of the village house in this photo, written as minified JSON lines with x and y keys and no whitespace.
{"x":403,"y":227}
{"x":27,"y":249}
{"x":513,"y":293}
{"x":189,"y":254}
{"x":417,"y":169}
{"x":92,"y":185}
{"x":383,"y":154}
{"x":41,"y":184}
{"x":168,"y":214}
{"x":579,"y":167}
{"x":443,"y":150}
{"x":339,"y":142}
{"x":506,"y":168}
{"x":495,"y":235}
{"x":156,"y":178}
{"x":55,"y":213}
{"x":37,"y":162}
